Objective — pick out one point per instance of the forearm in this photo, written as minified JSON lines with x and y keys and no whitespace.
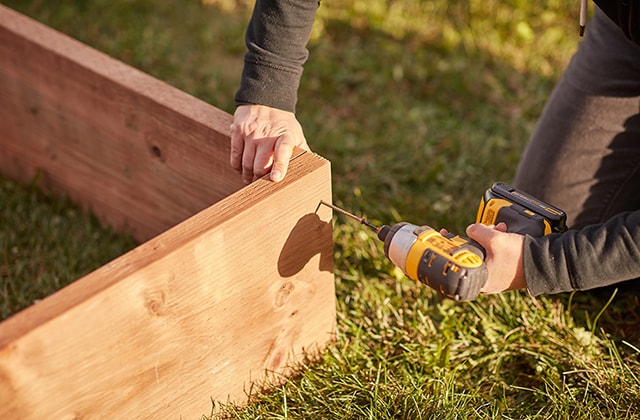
{"x":276,"y":40}
{"x":595,"y":256}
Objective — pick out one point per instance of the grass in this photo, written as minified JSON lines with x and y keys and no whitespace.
{"x":420,"y":106}
{"x":46,"y":243}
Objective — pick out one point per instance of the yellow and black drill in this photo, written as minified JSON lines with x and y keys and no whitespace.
{"x":454,"y":265}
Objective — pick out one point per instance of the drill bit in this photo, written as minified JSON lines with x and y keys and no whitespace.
{"x":362,"y":220}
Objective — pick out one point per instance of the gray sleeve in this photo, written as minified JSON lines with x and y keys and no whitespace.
{"x":595,"y":256}
{"x":276,"y":40}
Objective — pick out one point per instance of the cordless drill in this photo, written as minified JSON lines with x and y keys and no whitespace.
{"x":454,"y":265}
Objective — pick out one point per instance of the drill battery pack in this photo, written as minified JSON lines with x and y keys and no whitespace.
{"x":521,"y":212}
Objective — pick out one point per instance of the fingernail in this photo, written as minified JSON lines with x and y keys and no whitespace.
{"x":276,"y":175}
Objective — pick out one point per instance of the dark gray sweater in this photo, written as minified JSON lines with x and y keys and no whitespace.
{"x":276,"y":40}
{"x":595,"y":256}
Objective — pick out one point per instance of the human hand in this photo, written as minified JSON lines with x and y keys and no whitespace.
{"x":503,"y":259}
{"x":262,"y":140}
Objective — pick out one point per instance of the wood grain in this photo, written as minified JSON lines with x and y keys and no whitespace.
{"x":200,"y":311}
{"x":211,"y":303}
{"x":137,"y":152}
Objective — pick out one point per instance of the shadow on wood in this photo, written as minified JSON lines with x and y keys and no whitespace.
{"x":307,"y":239}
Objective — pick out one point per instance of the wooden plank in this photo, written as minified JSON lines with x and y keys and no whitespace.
{"x":229,"y":296}
{"x":137,"y":152}
{"x":243,"y":288}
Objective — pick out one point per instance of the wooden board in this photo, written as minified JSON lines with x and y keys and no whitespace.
{"x":227,"y":297}
{"x":139,"y":153}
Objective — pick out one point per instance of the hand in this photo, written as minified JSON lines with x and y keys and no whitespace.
{"x":504,"y":257}
{"x":262,"y":140}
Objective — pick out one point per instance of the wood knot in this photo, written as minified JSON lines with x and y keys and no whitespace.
{"x":157,"y":153}
{"x":154,"y":301}
{"x":283,"y":293}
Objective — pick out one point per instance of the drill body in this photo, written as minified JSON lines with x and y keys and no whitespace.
{"x":454,"y":265}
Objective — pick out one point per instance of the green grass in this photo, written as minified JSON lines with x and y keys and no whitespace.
{"x":46,"y":243}
{"x":420,"y":106}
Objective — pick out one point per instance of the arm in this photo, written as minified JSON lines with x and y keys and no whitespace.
{"x":265,"y":130}
{"x":595,"y":256}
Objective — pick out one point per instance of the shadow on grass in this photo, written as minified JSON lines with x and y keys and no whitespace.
{"x":614,"y":309}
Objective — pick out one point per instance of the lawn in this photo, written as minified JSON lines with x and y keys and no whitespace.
{"x":420,"y":106}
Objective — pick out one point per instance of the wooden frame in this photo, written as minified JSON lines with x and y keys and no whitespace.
{"x":233,"y":284}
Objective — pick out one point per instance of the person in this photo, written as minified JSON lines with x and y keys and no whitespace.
{"x":583,"y":156}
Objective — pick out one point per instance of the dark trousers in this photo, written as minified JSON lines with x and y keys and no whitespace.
{"x":584,"y":155}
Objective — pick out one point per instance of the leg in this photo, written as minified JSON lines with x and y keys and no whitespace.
{"x":584,"y":155}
